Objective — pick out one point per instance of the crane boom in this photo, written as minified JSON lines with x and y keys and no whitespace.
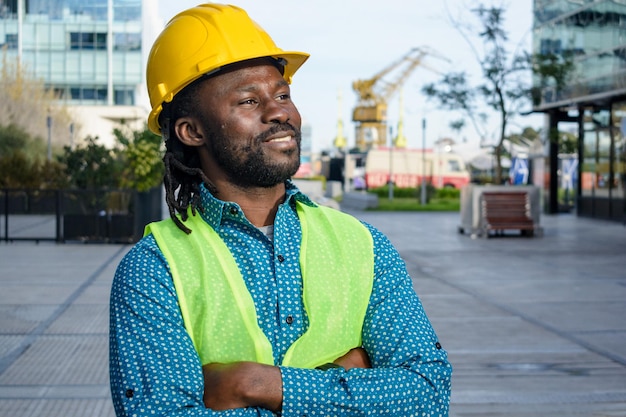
{"x":370,"y":113}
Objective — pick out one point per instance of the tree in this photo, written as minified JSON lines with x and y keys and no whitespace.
{"x":525,"y":138}
{"x":27,"y":104}
{"x":20,"y":162}
{"x":91,"y":166}
{"x":142,"y":155}
{"x":13,"y":138}
{"x":504,"y":88}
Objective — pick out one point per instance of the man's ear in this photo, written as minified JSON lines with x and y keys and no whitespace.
{"x":186,"y":129}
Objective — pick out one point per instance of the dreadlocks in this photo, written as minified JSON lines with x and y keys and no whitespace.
{"x":183,"y":173}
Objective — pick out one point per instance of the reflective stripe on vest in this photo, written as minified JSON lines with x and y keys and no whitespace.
{"x":337,"y":264}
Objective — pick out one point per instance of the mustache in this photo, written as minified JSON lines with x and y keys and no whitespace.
{"x":281,"y":127}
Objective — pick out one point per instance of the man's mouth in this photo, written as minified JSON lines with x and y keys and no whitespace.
{"x":281,"y":139}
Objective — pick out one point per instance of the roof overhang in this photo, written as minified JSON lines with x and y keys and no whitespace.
{"x":598,"y":99}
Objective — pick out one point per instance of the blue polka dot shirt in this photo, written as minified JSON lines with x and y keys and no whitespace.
{"x":155,"y":370}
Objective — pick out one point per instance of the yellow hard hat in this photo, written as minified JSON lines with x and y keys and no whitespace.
{"x":203,"y":39}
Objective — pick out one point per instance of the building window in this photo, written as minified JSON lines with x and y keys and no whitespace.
{"x":8,"y":8}
{"x":127,"y":41}
{"x":454,"y":166}
{"x":619,"y":159}
{"x":550,"y":46}
{"x":80,"y":40}
{"x":59,"y":93}
{"x":10,"y":41}
{"x":88,"y":94}
{"x":597,"y":178}
{"x":124,"y":97}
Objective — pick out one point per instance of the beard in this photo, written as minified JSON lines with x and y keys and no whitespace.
{"x":248,"y":165}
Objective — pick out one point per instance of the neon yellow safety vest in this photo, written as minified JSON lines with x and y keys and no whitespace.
{"x":337,"y":264}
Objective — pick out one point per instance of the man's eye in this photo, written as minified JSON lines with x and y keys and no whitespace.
{"x":249,"y":101}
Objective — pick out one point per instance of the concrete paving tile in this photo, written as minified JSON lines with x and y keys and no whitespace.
{"x":613,"y":341}
{"x":544,"y":410}
{"x":23,"y":391}
{"x":499,"y":334}
{"x":579,"y":315}
{"x":550,"y":392}
{"x":74,"y":408}
{"x":79,"y":391}
{"x":23,"y":318}
{"x":95,"y":294}
{"x":571,"y":362}
{"x":432,"y":287}
{"x":447,"y":306}
{"x":21,"y":408}
{"x":9,"y":343}
{"x":59,"y":391}
{"x":82,"y":319}
{"x":548,"y":289}
{"x":22,"y":262}
{"x":65,"y":360}
{"x":35,"y":293}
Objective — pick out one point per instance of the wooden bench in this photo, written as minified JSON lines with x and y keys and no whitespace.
{"x":506,"y":210}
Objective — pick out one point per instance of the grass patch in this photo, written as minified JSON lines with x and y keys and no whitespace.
{"x":413,"y":204}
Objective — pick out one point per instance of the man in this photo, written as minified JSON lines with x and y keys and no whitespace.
{"x":251,"y":299}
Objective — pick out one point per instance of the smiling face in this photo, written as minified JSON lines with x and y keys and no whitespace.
{"x":249,"y":127}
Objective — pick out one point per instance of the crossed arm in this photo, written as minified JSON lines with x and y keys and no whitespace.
{"x":250,"y":384}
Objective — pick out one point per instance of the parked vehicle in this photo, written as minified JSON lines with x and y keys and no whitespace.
{"x":409,"y":168}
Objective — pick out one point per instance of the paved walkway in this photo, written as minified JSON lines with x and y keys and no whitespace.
{"x":533,"y":326}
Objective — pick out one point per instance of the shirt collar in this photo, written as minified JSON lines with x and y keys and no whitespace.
{"x":215,"y":210}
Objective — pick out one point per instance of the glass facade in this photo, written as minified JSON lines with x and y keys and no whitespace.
{"x":592,"y":35}
{"x":603,"y":168}
{"x":87,"y":58}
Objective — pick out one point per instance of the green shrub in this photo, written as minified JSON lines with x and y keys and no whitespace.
{"x":383,"y":192}
{"x":412,"y":192}
{"x":448,"y":192}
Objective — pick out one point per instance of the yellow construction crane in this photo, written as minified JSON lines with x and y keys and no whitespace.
{"x":370,"y":113}
{"x":340,"y":141}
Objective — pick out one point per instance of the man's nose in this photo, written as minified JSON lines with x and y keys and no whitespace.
{"x":275,"y":112}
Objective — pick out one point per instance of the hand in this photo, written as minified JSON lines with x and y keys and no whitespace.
{"x":355,"y":358}
{"x":242,"y":384}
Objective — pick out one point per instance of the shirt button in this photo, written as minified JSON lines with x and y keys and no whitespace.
{"x":438,"y":345}
{"x":129,"y":393}
{"x":234,"y":211}
{"x":281,"y":258}
{"x":289,"y":319}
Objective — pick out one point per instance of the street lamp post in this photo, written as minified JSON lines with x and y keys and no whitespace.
{"x":423,"y":190}
{"x":49,"y":124}
{"x":390,"y":163}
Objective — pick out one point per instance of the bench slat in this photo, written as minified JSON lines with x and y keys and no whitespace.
{"x":506,"y":211}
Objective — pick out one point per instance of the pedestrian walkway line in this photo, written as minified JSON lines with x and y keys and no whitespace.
{"x":7,"y":360}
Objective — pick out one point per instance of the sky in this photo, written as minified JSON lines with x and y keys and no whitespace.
{"x":355,"y":39}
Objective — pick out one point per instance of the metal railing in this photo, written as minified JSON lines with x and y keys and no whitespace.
{"x":102,"y":216}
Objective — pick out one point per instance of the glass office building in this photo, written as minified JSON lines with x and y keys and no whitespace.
{"x":592,"y":34}
{"x":88,"y":51}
